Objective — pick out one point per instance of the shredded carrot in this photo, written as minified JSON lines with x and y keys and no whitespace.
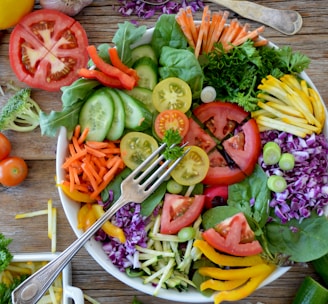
{"x":91,"y":165}
{"x":212,"y":29}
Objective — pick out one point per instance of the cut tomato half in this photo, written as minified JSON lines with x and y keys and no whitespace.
{"x":233,"y":236}
{"x":180,"y":211}
{"x":47,"y":48}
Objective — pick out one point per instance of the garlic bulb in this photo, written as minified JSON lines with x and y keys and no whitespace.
{"x":69,"y":7}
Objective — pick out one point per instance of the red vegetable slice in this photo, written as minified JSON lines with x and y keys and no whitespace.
{"x":47,"y":48}
{"x":233,"y":236}
{"x":180,"y":211}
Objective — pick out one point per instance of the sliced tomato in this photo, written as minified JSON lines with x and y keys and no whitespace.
{"x":220,"y":173}
{"x":216,"y":195}
{"x":198,"y":137}
{"x":171,"y":119}
{"x":245,"y":147}
{"x":221,"y":118}
{"x":47,"y":48}
{"x":233,"y":236}
{"x":193,"y":168}
{"x":180,"y":211}
{"x":239,"y":140}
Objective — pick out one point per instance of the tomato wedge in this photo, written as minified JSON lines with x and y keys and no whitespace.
{"x":233,"y":236}
{"x":180,"y":211}
{"x":171,"y":119}
{"x":231,"y":140}
{"x":47,"y":48}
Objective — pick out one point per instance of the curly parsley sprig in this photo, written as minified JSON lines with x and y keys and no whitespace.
{"x":172,"y":137}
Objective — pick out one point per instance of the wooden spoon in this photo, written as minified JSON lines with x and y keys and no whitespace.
{"x":288,"y":22}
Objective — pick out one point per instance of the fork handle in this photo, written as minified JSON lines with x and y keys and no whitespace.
{"x":34,"y":287}
{"x":288,"y":22}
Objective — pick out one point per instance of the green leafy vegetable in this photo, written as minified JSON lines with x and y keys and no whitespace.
{"x":5,"y":255}
{"x":299,"y":241}
{"x":216,"y":215}
{"x":172,"y":137}
{"x":125,"y":36}
{"x":236,"y":75}
{"x":167,"y":32}
{"x":5,"y":291}
{"x":184,"y":65}
{"x":20,"y":113}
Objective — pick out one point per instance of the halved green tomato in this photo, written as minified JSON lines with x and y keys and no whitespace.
{"x":136,"y":147}
{"x":172,"y":94}
{"x":193,"y":167}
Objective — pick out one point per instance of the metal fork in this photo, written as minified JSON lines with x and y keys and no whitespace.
{"x":135,"y":188}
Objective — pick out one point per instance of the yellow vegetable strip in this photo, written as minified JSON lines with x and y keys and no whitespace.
{"x":285,"y":109}
{"x":270,"y":98}
{"x":226,"y":260}
{"x":318,"y":108}
{"x":281,"y":126}
{"x":291,"y":81}
{"x":221,"y":285}
{"x":235,"y":274}
{"x":31,"y":214}
{"x":53,"y":229}
{"x":296,"y":122}
{"x":49,"y":219}
{"x":245,"y":290}
{"x":279,"y":114}
{"x":305,"y":88}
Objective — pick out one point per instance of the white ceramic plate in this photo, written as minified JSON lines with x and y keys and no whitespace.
{"x":69,"y":292}
{"x":95,"y":249}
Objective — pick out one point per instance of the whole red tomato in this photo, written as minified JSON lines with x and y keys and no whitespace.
{"x":13,"y":170}
{"x":5,"y":146}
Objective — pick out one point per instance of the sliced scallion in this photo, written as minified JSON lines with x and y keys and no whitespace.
{"x":271,"y":153}
{"x":287,"y":161}
{"x":276,"y":183}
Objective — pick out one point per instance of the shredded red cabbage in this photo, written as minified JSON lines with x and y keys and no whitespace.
{"x":133,"y":224}
{"x":143,"y":10}
{"x":307,"y":182}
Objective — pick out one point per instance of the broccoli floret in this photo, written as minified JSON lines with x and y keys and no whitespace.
{"x":20,"y":113}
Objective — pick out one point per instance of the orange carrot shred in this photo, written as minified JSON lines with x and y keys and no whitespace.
{"x":83,"y":136}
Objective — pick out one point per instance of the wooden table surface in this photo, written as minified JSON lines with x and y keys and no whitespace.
{"x":30,"y":235}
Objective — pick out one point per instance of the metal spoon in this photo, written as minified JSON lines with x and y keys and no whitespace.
{"x":288,"y":22}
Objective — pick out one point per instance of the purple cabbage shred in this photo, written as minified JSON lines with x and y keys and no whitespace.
{"x":307,"y":182}
{"x":133,"y":224}
{"x":145,"y":11}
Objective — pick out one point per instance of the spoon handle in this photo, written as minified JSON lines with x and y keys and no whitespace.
{"x":288,"y":22}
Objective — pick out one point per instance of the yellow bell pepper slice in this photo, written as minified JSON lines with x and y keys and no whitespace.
{"x":221,"y":285}
{"x":76,"y":195}
{"x":234,"y":274}
{"x":226,"y":260}
{"x":109,"y":228}
{"x":246,"y":289}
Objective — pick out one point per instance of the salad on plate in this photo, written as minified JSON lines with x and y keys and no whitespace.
{"x":251,"y":193}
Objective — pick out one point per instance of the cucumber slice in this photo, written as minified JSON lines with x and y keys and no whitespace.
{"x":147,"y":71}
{"x":117,"y":128}
{"x":137,"y":117}
{"x":144,"y":50}
{"x":143,"y":95}
{"x":311,"y":292}
{"x":321,"y":267}
{"x":97,"y":115}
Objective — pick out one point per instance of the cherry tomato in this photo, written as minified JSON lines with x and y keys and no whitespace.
{"x":171,"y":119}
{"x":237,"y":154}
{"x":47,"y":48}
{"x":233,"y":236}
{"x":13,"y":170}
{"x":193,"y":168}
{"x":136,"y":147}
{"x":5,"y":146}
{"x":172,"y":94}
{"x":180,"y":211}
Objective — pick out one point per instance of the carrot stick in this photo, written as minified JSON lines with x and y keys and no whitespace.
{"x":73,"y":158}
{"x":252,"y":35}
{"x":181,"y":20}
{"x":77,"y":131}
{"x":83,"y":136}
{"x":191,"y":23}
{"x":97,"y":144}
{"x":216,"y":17}
{"x":218,"y":32}
{"x":95,"y":152}
{"x":203,"y":30}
